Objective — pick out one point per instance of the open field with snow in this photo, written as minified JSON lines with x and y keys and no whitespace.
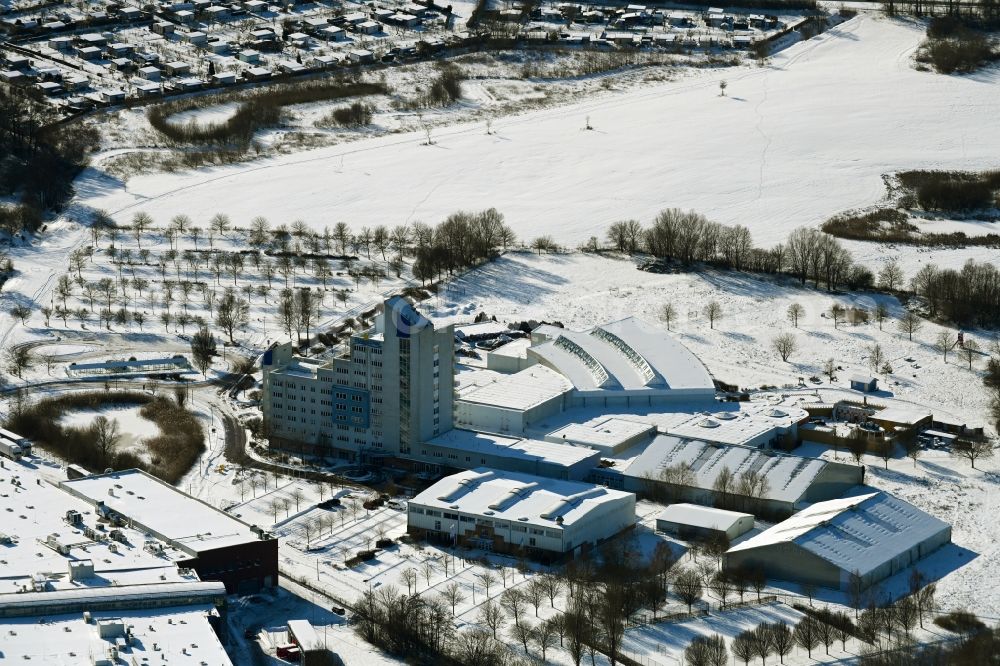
{"x":583,"y":290}
{"x":793,"y":142}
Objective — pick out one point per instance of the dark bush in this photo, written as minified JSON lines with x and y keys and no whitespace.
{"x":884,"y":224}
{"x":961,"y":52}
{"x":259,"y":111}
{"x":355,"y":115}
{"x":173,"y":451}
{"x":960,"y":622}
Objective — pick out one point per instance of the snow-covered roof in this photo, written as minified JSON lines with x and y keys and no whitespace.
{"x":162,"y":636}
{"x":34,"y":509}
{"x":856,"y":534}
{"x":628,"y":354}
{"x":705,"y":517}
{"x":305,"y":635}
{"x":742,"y":425}
{"x":788,"y":477}
{"x":516,"y":348}
{"x":188,"y":523}
{"x":519,"y":391}
{"x":519,"y":497}
{"x":175,"y":593}
{"x":902,"y":415}
{"x":606,"y":434}
{"x":510,"y":447}
{"x":480,"y":328}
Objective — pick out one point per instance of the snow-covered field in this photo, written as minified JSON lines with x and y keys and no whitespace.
{"x":583,"y":290}
{"x":792,"y":143}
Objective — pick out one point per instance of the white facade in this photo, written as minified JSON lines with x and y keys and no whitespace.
{"x":389,"y":389}
{"x":506,"y":511}
{"x":508,"y":404}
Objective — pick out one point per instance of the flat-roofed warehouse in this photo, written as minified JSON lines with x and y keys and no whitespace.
{"x":467,"y":449}
{"x":161,"y":635}
{"x":506,"y":512}
{"x":218,"y":545}
{"x":505,"y":404}
{"x":701,"y":522}
{"x":871,"y":536}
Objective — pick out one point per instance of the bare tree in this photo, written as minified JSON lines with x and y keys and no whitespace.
{"x":876,"y":357}
{"x":785,"y":345}
{"x":534,"y":594}
{"x":944,"y":341}
{"x":546,"y":635}
{"x":707,"y":651}
{"x":486,"y":579}
{"x":428,"y":569}
{"x":713,"y":311}
{"x":687,"y":586}
{"x":743,"y":646}
{"x":17,"y":359}
{"x":524,"y":632}
{"x":891,"y":277}
{"x":972,"y":449}
{"x":795,"y":312}
{"x":297,"y":496}
{"x":106,"y":433}
{"x":806,"y":635}
{"x":830,"y":369}
{"x":513,"y":601}
{"x":909,"y":323}
{"x":552,"y":586}
{"x":668,"y":313}
{"x":836,"y":312}
{"x":492,"y":616}
{"x":881,"y":314}
{"x":453,"y":595}
{"x":970,"y":349}
{"x":781,"y":641}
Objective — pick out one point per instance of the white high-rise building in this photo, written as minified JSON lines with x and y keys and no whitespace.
{"x":377,"y":396}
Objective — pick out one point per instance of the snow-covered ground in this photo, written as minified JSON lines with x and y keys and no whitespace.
{"x":583,"y":290}
{"x":133,"y":427}
{"x":792,"y":143}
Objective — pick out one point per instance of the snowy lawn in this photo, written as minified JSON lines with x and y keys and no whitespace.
{"x":792,"y":143}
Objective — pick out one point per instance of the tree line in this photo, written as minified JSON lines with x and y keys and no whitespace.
{"x":969,"y":296}
{"x":41,"y":159}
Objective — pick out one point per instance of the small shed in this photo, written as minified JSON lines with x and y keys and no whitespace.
{"x":304,"y":635}
{"x":692,"y":521}
{"x":176,"y":68}
{"x":360,"y":55}
{"x":864,"y":383}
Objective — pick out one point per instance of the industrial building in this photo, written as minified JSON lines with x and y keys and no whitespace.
{"x":466,"y":449}
{"x":865,"y":538}
{"x":511,"y":512}
{"x":214,"y":544}
{"x":691,"y":521}
{"x":508,"y":404}
{"x":83,"y":584}
{"x":174,"y":635}
{"x":627,"y":364}
{"x":373,"y":398}
{"x":688,"y":470}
